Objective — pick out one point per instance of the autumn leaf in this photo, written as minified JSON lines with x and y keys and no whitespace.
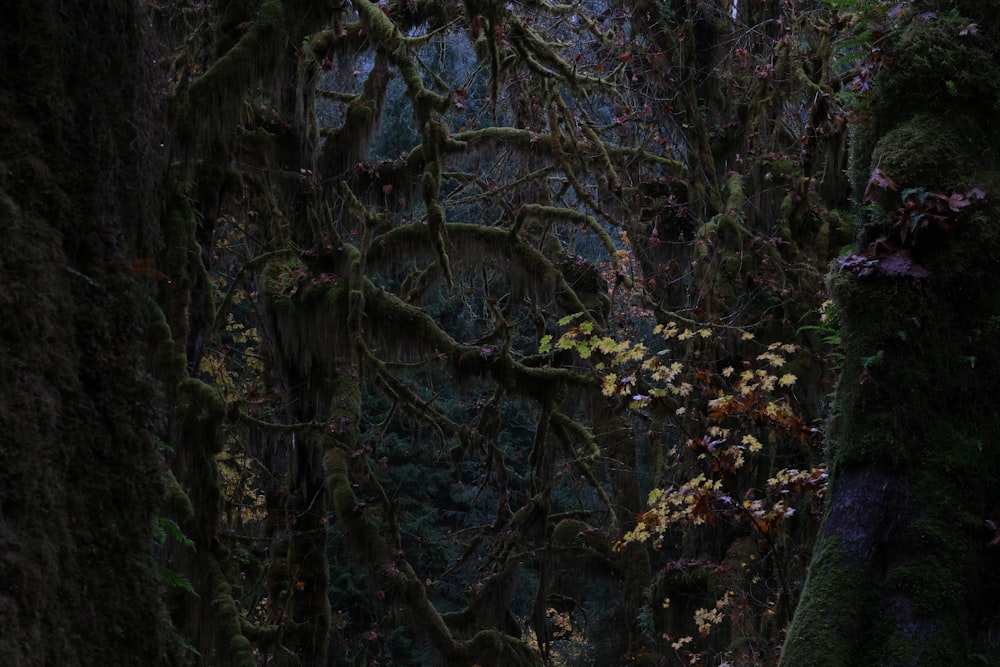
{"x":146,"y":268}
{"x":879,"y":180}
{"x":957,"y":201}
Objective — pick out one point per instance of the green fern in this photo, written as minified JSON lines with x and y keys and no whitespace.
{"x":164,"y":526}
{"x":176,"y":579}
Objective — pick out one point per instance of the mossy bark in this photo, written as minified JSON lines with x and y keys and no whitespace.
{"x":79,"y":465}
{"x":901,"y":574}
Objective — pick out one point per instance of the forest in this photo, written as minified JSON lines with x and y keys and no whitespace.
{"x":483,"y":334}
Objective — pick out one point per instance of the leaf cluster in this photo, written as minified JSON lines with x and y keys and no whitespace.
{"x":921,"y":217}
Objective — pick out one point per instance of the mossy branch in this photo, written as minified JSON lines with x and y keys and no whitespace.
{"x":527,"y":270}
{"x":407,"y":396}
{"x":466,"y":360}
{"x":392,"y":572}
{"x":546,"y":213}
{"x":218,"y":93}
{"x":233,"y":645}
{"x":271,"y":427}
{"x":390,"y":41}
{"x":237,"y":280}
{"x":540,"y":56}
{"x":572,"y":432}
{"x":436,"y":228}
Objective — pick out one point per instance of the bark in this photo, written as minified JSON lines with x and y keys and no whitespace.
{"x":79,"y":465}
{"x":903,"y":573}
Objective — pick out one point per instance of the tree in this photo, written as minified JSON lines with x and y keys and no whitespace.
{"x":342,"y":260}
{"x":300,"y":247}
{"x":79,"y":465}
{"x":441,"y":311}
{"x":904,"y":571}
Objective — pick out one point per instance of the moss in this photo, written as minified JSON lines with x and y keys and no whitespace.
{"x":938,"y":70}
{"x":931,"y":152}
{"x":925,"y":581}
{"x":899,"y":411}
{"x":234,"y":647}
{"x":864,"y":439}
{"x":201,"y":409}
{"x":209,"y":108}
{"x":832,"y":620}
{"x":79,"y":478}
{"x":175,"y":500}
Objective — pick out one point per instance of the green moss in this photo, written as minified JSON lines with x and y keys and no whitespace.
{"x":236,"y":649}
{"x":926,"y":582}
{"x":937,"y":69}
{"x":175,"y":500}
{"x":832,"y":620}
{"x":932,"y":152}
{"x":864,"y":439}
{"x":201,"y":410}
{"x":208,"y":109}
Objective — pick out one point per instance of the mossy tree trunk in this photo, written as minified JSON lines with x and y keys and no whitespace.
{"x":79,"y":464}
{"x":903,"y":572}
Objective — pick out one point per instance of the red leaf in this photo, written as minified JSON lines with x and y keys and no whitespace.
{"x":146,"y":268}
{"x":879,"y":180}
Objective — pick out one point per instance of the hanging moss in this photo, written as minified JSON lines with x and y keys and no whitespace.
{"x":208,"y":109}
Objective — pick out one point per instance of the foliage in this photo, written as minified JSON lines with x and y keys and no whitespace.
{"x":383,"y":218}
{"x":922,"y":218}
{"x":716,"y":481}
{"x":164,"y":527}
{"x":486,"y":334}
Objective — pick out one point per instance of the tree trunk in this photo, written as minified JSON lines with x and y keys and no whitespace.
{"x":903,"y":573}
{"x":79,"y":467}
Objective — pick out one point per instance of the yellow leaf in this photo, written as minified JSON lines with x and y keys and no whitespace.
{"x":752,"y":443}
